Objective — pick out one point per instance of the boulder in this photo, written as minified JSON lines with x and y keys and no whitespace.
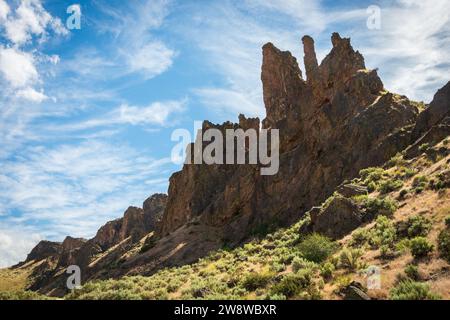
{"x":351,"y":190}
{"x":339,"y":217}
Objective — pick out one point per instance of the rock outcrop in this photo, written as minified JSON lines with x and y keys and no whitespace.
{"x":438,"y":109}
{"x":43,"y":250}
{"x":338,"y":121}
{"x":338,"y":217}
{"x":331,"y":126}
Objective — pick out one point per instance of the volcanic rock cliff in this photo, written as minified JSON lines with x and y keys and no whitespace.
{"x":335,"y":122}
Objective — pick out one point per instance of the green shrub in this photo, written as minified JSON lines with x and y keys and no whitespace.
{"x":418,"y":226}
{"x":424,"y":147}
{"x":444,"y":244}
{"x":389,"y":186}
{"x":254,"y":281}
{"x":360,"y":237}
{"x":371,"y":174}
{"x":316,"y":247}
{"x":383,"y":233}
{"x":420,"y":183}
{"x":327,"y":269}
{"x":412,"y":290}
{"x":403,"y":193}
{"x":292,"y":284}
{"x":396,"y":160}
{"x":412,"y":271}
{"x":299,"y":263}
{"x":420,"y":247}
{"x":349,"y":258}
{"x":404,"y":172}
{"x":22,"y":295}
{"x":371,"y":187}
{"x":377,"y":206}
{"x":447,"y":221}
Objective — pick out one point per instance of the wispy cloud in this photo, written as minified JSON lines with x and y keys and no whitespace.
{"x":22,"y":25}
{"x":157,"y":113}
{"x":76,"y":188}
{"x":411,"y":47}
{"x":134,"y":47}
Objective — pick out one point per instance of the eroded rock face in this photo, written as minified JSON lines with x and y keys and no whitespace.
{"x":339,"y":121}
{"x":43,"y":250}
{"x":438,"y":109}
{"x":153,"y":211}
{"x":69,"y":249}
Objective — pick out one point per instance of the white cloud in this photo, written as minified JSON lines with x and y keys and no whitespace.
{"x":412,"y":47}
{"x":15,"y":245}
{"x":31,"y":19}
{"x":157,"y":113}
{"x":17,"y":67}
{"x":74,"y":189}
{"x":4,"y":11}
{"x":138,"y":50}
{"x":227,"y":101}
{"x":31,"y":94}
{"x":152,"y":59}
{"x":22,"y":25}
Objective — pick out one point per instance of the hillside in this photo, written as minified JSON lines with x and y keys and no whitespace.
{"x":411,"y":201}
{"x":376,"y":161}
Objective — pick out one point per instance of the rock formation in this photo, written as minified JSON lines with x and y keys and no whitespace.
{"x":339,"y":120}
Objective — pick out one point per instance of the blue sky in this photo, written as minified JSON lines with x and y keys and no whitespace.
{"x":86,"y":115}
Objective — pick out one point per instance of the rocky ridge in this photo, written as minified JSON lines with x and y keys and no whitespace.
{"x":337,"y":121}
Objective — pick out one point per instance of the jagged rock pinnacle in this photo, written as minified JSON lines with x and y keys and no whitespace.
{"x":310,"y":59}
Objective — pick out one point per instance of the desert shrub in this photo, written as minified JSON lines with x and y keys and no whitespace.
{"x":371,"y":174}
{"x":404,"y":172}
{"x":424,"y":147}
{"x":299,"y":263}
{"x":342,"y":282}
{"x":418,"y":225}
{"x":420,"y":247}
{"x":403,"y":193}
{"x":316,"y":247}
{"x":412,"y":290}
{"x":205,"y":288}
{"x":371,"y":187}
{"x":387,"y":186}
{"x":254,"y":281}
{"x":420,"y":183}
{"x":396,"y":160}
{"x":276,"y":296}
{"x":447,"y":221}
{"x":383,"y":233}
{"x":277,"y":267}
{"x":377,"y":206}
{"x":22,"y":295}
{"x":444,"y":244}
{"x":442,"y":182}
{"x":349,"y":258}
{"x":326,"y":270}
{"x":292,"y":284}
{"x":412,"y":271}
{"x":360,"y":237}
